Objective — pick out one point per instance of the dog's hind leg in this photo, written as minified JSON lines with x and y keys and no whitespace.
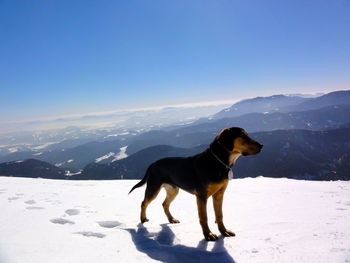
{"x":171,"y":193}
{"x":151,"y":193}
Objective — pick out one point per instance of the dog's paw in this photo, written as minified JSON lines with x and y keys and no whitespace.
{"x":211,"y":237}
{"x":227,"y":233}
{"x":143,"y":220}
{"x":174,"y":221}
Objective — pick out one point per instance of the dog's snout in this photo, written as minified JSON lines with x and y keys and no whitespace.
{"x":259,"y":147}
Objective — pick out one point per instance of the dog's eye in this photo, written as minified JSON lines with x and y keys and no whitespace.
{"x":243,"y":136}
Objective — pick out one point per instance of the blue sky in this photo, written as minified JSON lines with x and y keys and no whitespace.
{"x":74,"y":57}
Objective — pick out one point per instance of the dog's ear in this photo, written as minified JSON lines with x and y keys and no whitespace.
{"x":226,"y":137}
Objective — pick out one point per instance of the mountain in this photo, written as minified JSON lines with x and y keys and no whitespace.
{"x":172,"y":138}
{"x":297,"y":154}
{"x":153,"y":117}
{"x":259,"y":104}
{"x":329,"y":99}
{"x":31,"y":168}
{"x":76,"y":157}
{"x":189,"y":136}
{"x":283,"y":103}
{"x":194,"y":135}
{"x":300,"y":154}
{"x":320,"y":119}
{"x":135,"y":165}
{"x":72,"y":147}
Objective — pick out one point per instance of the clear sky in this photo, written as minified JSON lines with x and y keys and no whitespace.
{"x":70,"y":57}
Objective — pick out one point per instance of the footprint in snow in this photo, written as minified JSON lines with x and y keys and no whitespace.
{"x":12,"y":198}
{"x":90,"y":234}
{"x":61,"y":221}
{"x":72,"y":212}
{"x":109,"y":224}
{"x":91,"y":212}
{"x":30,"y":202}
{"x":341,"y":209}
{"x":34,"y":208}
{"x":53,"y":202}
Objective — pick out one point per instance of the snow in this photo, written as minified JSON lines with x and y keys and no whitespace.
{"x":117,"y":134}
{"x":61,"y":164}
{"x":121,"y":155}
{"x":275,"y":220}
{"x":13,"y":150}
{"x":69,"y":173}
{"x":104,"y":157}
{"x":43,"y":146}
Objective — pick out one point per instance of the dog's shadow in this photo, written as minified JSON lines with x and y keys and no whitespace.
{"x":159,"y":246}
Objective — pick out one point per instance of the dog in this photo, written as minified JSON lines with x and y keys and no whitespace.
{"x":205,"y":174}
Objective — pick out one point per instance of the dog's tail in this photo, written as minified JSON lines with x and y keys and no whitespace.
{"x":142,"y":182}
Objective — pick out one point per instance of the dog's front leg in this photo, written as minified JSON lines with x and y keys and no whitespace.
{"x":218,"y":198}
{"x":203,"y":218}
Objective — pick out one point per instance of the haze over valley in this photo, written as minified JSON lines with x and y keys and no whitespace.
{"x":308,"y":130}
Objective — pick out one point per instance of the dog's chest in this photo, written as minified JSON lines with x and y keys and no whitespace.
{"x":233,"y":158}
{"x":216,"y":187}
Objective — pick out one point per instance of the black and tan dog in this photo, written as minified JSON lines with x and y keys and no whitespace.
{"x":205,"y":174}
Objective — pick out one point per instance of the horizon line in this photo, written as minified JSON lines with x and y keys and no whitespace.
{"x":160,"y":107}
{"x":127,"y":110}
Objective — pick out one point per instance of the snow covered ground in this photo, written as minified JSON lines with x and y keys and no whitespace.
{"x":275,"y":220}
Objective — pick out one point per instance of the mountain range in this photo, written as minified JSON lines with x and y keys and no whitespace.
{"x":32,"y":168}
{"x":296,"y":132}
{"x":297,"y":154}
{"x":283,"y":103}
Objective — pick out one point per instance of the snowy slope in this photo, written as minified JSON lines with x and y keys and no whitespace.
{"x":275,"y":220}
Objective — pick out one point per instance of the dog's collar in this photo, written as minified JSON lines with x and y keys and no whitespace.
{"x":217,"y":158}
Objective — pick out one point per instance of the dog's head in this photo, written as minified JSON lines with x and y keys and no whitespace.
{"x":237,"y":141}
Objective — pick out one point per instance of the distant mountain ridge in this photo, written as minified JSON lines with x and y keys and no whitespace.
{"x":31,"y":168}
{"x":321,"y":119}
{"x":75,"y":158}
{"x":136,"y":164}
{"x":341,"y":97}
{"x":323,"y":114}
{"x":259,"y":104}
{"x":283,"y":103}
{"x":297,"y":154}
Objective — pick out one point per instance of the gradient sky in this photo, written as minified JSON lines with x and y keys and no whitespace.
{"x":71,"y":57}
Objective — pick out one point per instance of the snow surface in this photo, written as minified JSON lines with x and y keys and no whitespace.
{"x":275,"y":220}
